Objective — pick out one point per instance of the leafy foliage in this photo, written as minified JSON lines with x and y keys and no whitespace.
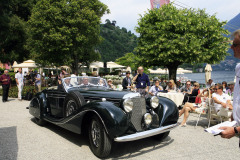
{"x":65,"y":32}
{"x":129,"y":59}
{"x":13,"y":91}
{"x":170,"y":36}
{"x":13,"y":33}
{"x":116,"y":41}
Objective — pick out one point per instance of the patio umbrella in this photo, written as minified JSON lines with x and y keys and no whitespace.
{"x":129,"y":69}
{"x":208,"y":70}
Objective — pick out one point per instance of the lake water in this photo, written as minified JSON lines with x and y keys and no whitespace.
{"x":217,"y":76}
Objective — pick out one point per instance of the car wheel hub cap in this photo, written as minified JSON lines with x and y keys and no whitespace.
{"x":70,"y":107}
{"x":95,"y":132}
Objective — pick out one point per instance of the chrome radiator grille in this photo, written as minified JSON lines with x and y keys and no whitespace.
{"x":139,"y":109}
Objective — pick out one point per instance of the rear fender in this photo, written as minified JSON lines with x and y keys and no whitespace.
{"x":38,"y":105}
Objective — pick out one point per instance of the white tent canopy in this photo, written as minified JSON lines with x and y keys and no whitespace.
{"x":129,"y":69}
{"x":165,"y":71}
{"x":96,"y":65}
{"x":159,"y":71}
{"x":25,"y":65}
{"x":181,"y":71}
{"x":114,"y":65}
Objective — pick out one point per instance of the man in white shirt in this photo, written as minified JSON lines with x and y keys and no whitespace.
{"x":155,"y":89}
{"x":221,"y":99}
{"x":19,"y":81}
{"x":229,"y":132}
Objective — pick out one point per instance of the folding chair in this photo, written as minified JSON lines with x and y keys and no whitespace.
{"x":212,"y":114}
{"x":202,"y":110}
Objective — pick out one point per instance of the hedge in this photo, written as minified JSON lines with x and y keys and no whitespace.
{"x":13,"y":91}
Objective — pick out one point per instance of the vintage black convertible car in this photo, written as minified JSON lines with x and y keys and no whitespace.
{"x":87,"y":104}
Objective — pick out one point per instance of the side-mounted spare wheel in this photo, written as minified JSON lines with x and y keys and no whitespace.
{"x":73,"y":101}
{"x":100,"y":143}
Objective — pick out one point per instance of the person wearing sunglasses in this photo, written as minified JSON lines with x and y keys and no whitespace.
{"x":221,"y":99}
{"x":229,"y":132}
{"x":187,"y":88}
{"x":195,"y":107}
{"x":230,"y":89}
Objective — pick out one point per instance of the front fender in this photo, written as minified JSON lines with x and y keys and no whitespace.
{"x":113,"y":118}
{"x":169,"y":111}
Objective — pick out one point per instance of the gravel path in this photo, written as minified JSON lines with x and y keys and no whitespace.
{"x":22,"y":139}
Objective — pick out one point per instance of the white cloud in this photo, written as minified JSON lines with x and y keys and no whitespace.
{"x":126,"y":12}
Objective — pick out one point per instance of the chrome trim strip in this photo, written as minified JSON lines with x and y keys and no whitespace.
{"x":145,"y":134}
{"x":89,"y":110}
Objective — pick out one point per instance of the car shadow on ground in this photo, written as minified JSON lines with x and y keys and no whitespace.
{"x":133,"y":149}
{"x":77,"y":139}
{"x":8,"y":143}
{"x":120,"y":150}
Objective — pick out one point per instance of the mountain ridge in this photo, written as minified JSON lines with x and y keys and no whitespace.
{"x":230,"y":62}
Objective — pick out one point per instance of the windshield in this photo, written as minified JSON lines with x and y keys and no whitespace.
{"x":83,"y":82}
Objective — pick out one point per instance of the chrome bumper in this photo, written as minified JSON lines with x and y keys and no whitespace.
{"x":145,"y":134}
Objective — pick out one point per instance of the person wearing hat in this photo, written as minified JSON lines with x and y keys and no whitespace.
{"x":37,"y":81}
{"x":230,"y":89}
{"x":110,"y":85}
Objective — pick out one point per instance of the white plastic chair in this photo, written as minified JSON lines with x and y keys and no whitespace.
{"x":225,"y":113}
{"x":220,"y":115}
{"x":201,"y":110}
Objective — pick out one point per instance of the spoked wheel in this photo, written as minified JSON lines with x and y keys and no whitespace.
{"x":71,"y":107}
{"x":40,"y":122}
{"x":100,"y":143}
{"x":73,"y":101}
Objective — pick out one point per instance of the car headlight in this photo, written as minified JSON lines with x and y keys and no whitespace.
{"x":154,"y":102}
{"x":147,"y":118}
{"x":128,"y":105}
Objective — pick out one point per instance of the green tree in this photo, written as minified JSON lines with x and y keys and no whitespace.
{"x":65,"y":32}
{"x":116,"y":41}
{"x":13,"y":33}
{"x":129,"y":59}
{"x":170,"y":37}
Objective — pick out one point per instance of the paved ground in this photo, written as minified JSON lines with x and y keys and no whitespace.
{"x":22,"y":139}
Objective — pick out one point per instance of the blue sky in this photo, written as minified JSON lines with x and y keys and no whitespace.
{"x":126,"y":12}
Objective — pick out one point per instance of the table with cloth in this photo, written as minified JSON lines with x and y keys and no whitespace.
{"x":177,"y":98}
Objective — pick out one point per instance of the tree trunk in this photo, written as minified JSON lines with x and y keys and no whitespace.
{"x":172,"y":69}
{"x":75,"y":66}
{"x":105,"y":67}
